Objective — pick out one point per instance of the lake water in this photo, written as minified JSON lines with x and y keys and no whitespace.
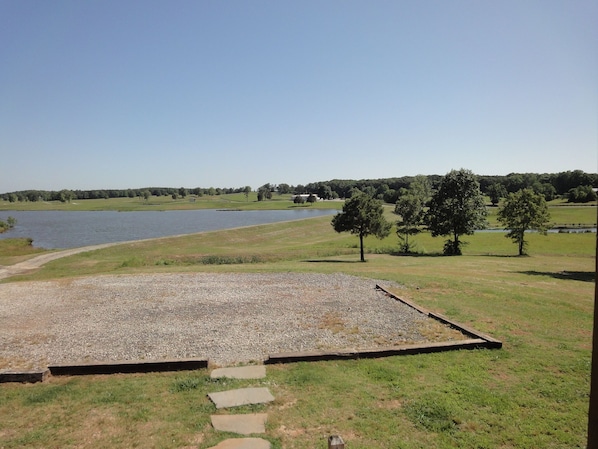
{"x":62,"y":229}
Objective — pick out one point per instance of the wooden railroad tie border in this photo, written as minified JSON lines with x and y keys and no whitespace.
{"x":139,"y":366}
{"x":29,"y":377}
{"x":492,"y":343}
{"x":476,"y":340}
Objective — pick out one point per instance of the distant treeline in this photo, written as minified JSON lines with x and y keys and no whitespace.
{"x":572,"y":184}
{"x":66,"y":195}
{"x":575,"y":185}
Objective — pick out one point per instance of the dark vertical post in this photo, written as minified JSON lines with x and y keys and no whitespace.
{"x":593,"y":413}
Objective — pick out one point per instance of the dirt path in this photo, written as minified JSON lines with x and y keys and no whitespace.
{"x":37,"y":262}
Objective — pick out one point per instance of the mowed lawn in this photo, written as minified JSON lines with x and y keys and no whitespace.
{"x":533,"y":393}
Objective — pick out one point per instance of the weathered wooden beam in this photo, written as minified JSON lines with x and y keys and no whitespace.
{"x":140,"y":366}
{"x":24,"y":376}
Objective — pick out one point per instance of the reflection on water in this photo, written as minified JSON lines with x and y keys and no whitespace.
{"x":62,"y":229}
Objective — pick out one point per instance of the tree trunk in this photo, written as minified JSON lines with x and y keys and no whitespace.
{"x":361,"y":246}
{"x":521,"y":243}
{"x":456,"y":251}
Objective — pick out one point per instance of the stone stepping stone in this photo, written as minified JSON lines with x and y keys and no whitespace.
{"x":242,"y":396}
{"x":242,"y":424}
{"x":243,"y":443}
{"x":240,"y":372}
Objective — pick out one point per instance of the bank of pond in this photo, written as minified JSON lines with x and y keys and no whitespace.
{"x":72,"y":229}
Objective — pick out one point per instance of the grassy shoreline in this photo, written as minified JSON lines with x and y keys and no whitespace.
{"x":533,"y":393}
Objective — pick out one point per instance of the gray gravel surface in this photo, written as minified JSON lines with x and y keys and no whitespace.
{"x":227,"y":318}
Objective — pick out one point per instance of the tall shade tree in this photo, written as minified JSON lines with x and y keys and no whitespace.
{"x":522,"y":211}
{"x":496,"y":191}
{"x":410,"y":209}
{"x":457,"y":208}
{"x":421,"y":188}
{"x":362,"y":215}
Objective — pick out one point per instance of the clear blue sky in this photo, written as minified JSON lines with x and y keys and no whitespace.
{"x":119,"y":94}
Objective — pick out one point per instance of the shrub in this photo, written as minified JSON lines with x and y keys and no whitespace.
{"x":581,"y":194}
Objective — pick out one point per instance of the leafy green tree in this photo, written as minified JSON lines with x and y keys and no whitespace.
{"x":420,"y":187}
{"x":496,"y":191}
{"x":362,"y":215}
{"x":369,"y":190}
{"x":521,"y":211}
{"x":311,"y":198}
{"x":410,"y":208}
{"x":390,"y":196}
{"x":264,"y":192}
{"x":411,"y":212}
{"x":284,"y":189}
{"x":581,"y":194}
{"x":548,"y":191}
{"x":457,"y":208}
{"x":325,"y":192}
{"x":247,"y":191}
{"x":65,"y":196}
{"x":353,"y":191}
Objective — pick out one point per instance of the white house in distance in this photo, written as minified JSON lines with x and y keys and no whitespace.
{"x":305,"y":196}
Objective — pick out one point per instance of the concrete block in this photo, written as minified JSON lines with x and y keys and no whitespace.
{"x":240,"y":372}
{"x":242,"y":424}
{"x":242,"y":396}
{"x":243,"y":443}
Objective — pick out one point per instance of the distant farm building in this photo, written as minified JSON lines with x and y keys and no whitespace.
{"x":305,"y":196}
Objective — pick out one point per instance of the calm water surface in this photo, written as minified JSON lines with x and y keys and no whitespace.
{"x":62,"y":229}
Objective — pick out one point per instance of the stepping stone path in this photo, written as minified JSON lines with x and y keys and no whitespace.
{"x":243,"y":424}
{"x":241,"y":372}
{"x":246,"y":424}
{"x":242,"y":396}
{"x":243,"y":443}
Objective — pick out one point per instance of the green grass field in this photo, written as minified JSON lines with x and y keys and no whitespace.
{"x":562,"y":213}
{"x":229,"y":201}
{"x":533,"y":393}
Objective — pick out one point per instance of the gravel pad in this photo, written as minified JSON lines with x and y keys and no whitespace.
{"x":227,"y":318}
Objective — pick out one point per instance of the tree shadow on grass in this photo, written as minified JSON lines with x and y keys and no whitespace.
{"x":584,"y":276}
{"x":331,"y":261}
{"x":400,"y":254}
{"x":506,"y":256}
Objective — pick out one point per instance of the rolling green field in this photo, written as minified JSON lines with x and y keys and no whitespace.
{"x":229,"y":201}
{"x":562,"y":213}
{"x":533,"y":393}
